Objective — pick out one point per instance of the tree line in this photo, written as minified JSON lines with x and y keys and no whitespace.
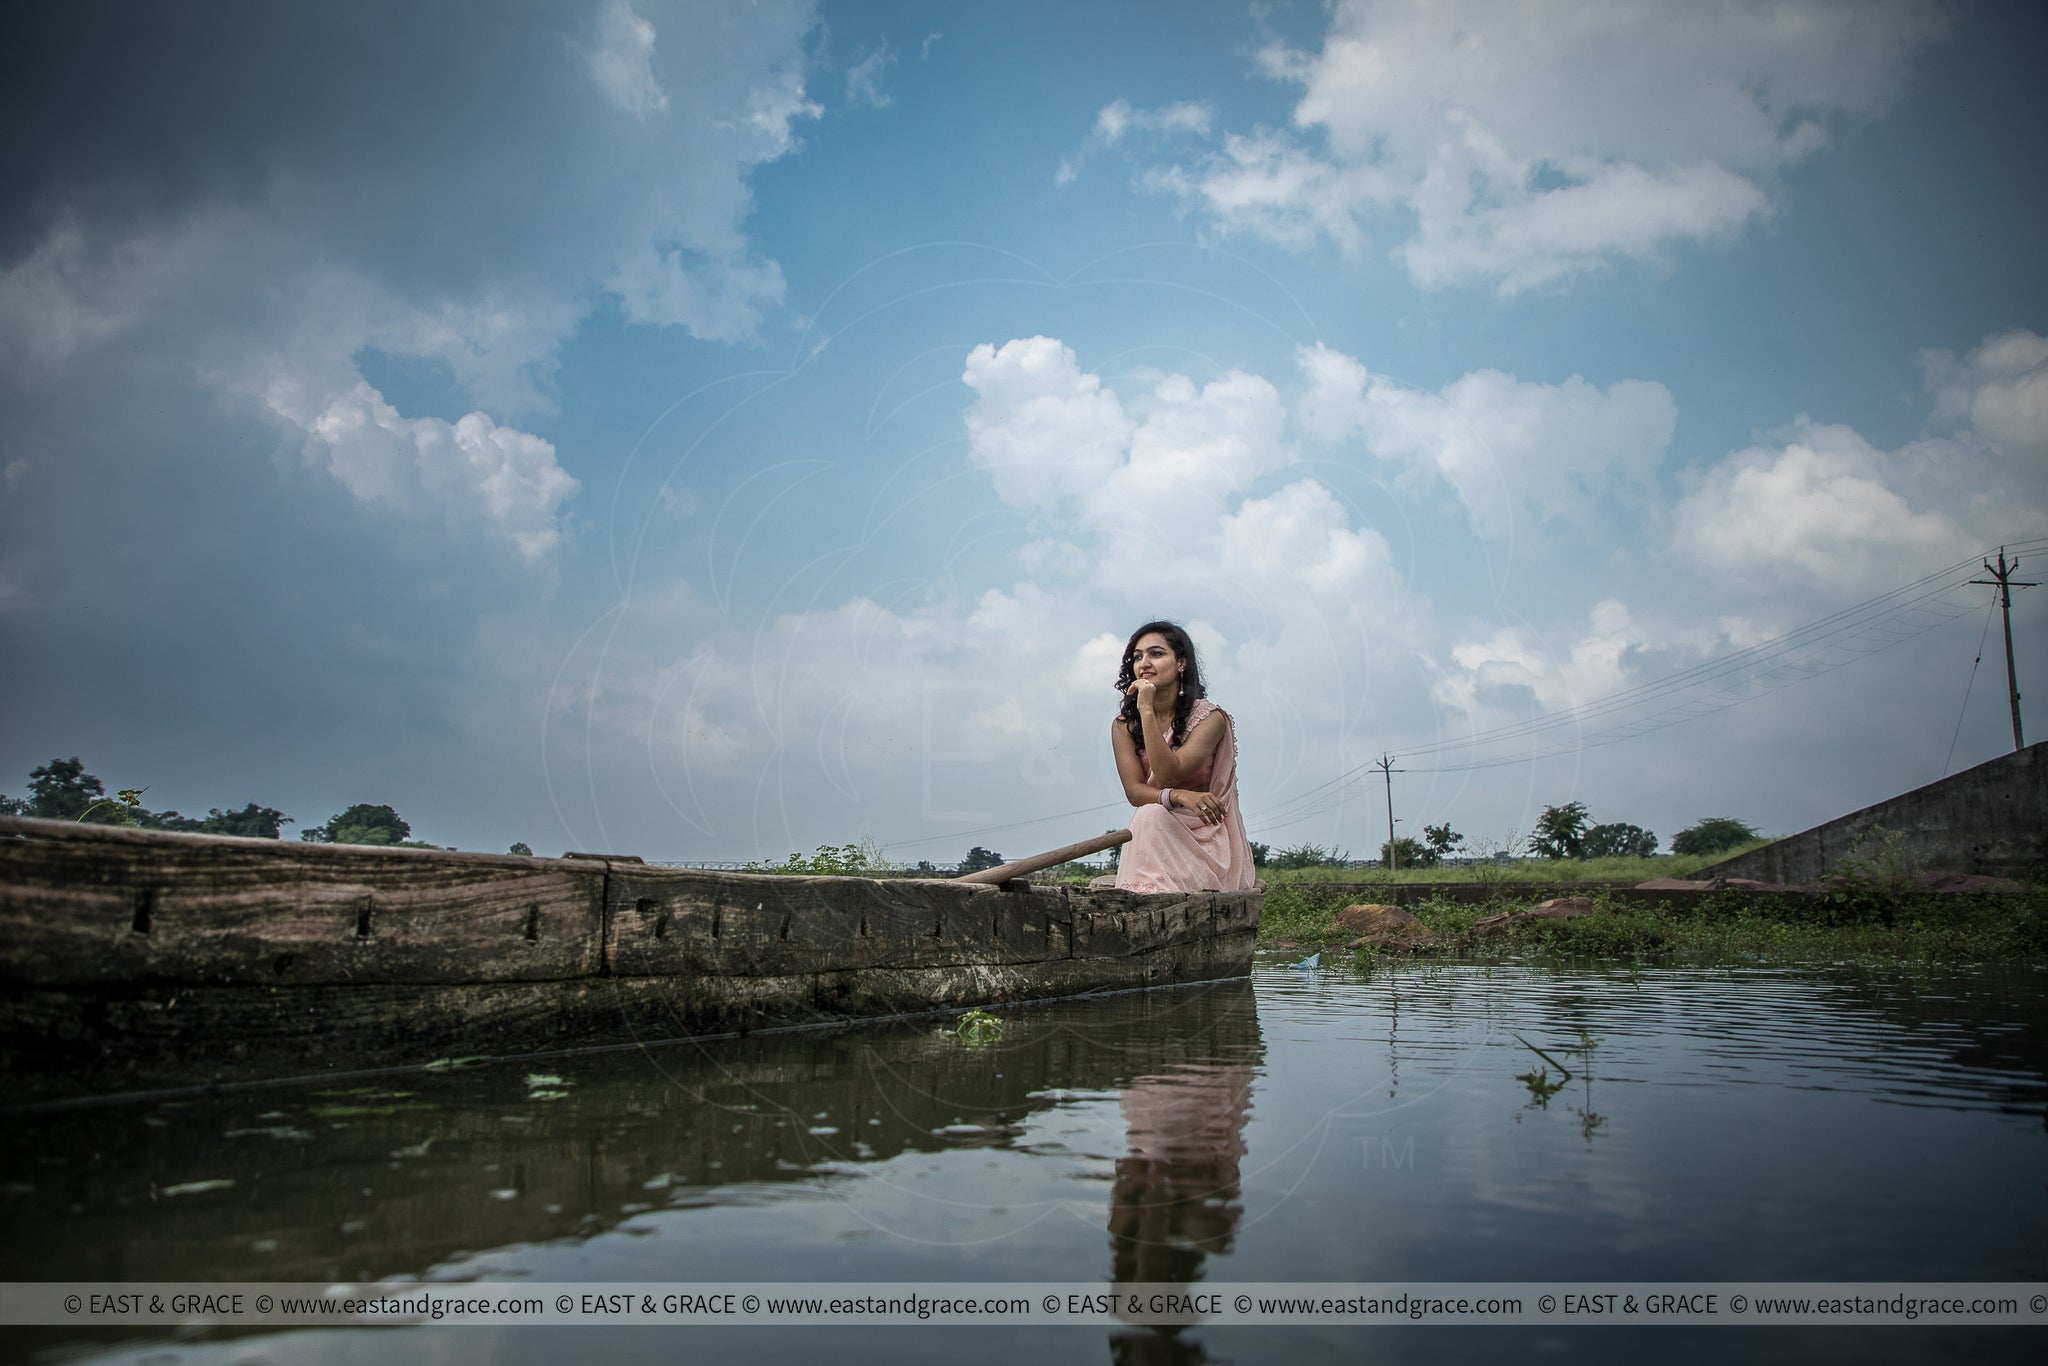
{"x":1569,"y":831}
{"x":62,"y":790}
{"x":1562,"y":832}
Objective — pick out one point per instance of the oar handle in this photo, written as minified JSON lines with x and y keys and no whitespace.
{"x":1018,"y":868}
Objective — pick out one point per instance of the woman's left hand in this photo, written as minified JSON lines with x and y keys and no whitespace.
{"x":1207,"y":805}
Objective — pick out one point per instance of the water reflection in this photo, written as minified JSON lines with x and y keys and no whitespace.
{"x":395,"y":1175}
{"x":1542,"y":1087}
{"x":1176,"y":1199}
{"x":1709,"y":1124}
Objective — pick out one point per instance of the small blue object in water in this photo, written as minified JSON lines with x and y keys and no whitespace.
{"x":1314,"y":960}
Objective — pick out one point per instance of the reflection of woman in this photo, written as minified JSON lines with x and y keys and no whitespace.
{"x":1178,"y":760}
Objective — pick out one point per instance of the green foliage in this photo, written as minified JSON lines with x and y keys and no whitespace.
{"x":1873,"y":878}
{"x":62,"y":790}
{"x":1407,"y":853}
{"x":520,"y":847}
{"x":169,"y":820}
{"x":1262,"y":854}
{"x":251,"y":822}
{"x":1442,"y":840}
{"x":979,"y":1029}
{"x":1620,"y":840}
{"x":1307,"y":856}
{"x":831,"y":860}
{"x":1560,"y":832}
{"x":1712,"y":835}
{"x":361,"y":824}
{"x":123,"y":808}
{"x":980,"y":860}
{"x":1298,"y":912}
{"x":1731,"y":926}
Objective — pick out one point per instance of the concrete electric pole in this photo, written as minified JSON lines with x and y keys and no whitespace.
{"x":2001,"y":578}
{"x":1385,"y":764}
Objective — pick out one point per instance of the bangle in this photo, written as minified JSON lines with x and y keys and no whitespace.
{"x":1166,"y":798}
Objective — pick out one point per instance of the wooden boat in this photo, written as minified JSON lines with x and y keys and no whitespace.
{"x":141,"y":959}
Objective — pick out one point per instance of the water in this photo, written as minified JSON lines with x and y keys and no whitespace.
{"x":1717,"y":1125}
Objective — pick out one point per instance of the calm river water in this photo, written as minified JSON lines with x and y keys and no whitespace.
{"x":1720,"y":1124}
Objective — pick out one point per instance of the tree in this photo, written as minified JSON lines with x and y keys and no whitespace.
{"x":1441,"y":839}
{"x":1406,"y":852}
{"x":980,"y":860}
{"x":1560,"y":832}
{"x":251,"y":822}
{"x":360,"y":824}
{"x":62,"y":790}
{"x":1262,"y":854}
{"x":168,"y":820}
{"x":1620,"y":840}
{"x":521,"y":848}
{"x":1712,"y":835}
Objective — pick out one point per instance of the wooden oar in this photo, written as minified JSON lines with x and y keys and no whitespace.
{"x":1018,"y":868}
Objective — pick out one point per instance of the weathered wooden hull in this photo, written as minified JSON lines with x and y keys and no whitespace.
{"x":132,"y":959}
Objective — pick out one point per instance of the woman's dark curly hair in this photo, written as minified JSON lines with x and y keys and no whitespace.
{"x":1191,"y":690}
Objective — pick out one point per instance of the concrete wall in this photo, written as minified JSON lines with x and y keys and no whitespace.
{"x":1991,"y":819}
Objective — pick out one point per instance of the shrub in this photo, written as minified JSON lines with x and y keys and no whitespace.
{"x":1712,"y":835}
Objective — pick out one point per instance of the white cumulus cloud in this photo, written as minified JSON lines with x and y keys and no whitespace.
{"x":1524,"y":143}
{"x":1046,"y":433}
{"x":1509,"y":448}
{"x":1816,"y":506}
{"x":471,"y":468}
{"x":623,"y":61}
{"x":2000,"y":391}
{"x":1509,"y":673}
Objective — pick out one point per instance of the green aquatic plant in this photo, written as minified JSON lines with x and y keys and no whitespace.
{"x":978,"y":1029}
{"x":1541,"y":1087}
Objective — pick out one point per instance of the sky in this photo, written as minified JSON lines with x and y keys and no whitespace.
{"x":709,"y":431}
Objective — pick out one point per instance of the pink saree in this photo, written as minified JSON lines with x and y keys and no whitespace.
{"x":1174,"y":851}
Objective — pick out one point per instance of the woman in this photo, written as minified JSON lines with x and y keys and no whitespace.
{"x":1178,"y":761}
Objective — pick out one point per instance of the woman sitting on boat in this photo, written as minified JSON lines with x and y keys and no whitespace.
{"x":1178,"y":760}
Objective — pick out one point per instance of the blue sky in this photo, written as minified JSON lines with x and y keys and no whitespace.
{"x":710,"y":431}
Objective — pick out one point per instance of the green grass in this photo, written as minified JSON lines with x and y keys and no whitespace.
{"x":2003,"y":927}
{"x":1628,"y":871}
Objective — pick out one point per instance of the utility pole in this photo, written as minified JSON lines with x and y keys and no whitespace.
{"x":1385,"y":764}
{"x":2001,"y":578}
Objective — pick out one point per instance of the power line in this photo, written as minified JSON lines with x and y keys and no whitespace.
{"x":1857,"y":631}
{"x":1840,"y":638}
{"x":998,"y":829}
{"x":1984,"y":636}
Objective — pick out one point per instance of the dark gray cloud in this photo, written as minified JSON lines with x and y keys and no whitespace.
{"x":225,"y":550}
